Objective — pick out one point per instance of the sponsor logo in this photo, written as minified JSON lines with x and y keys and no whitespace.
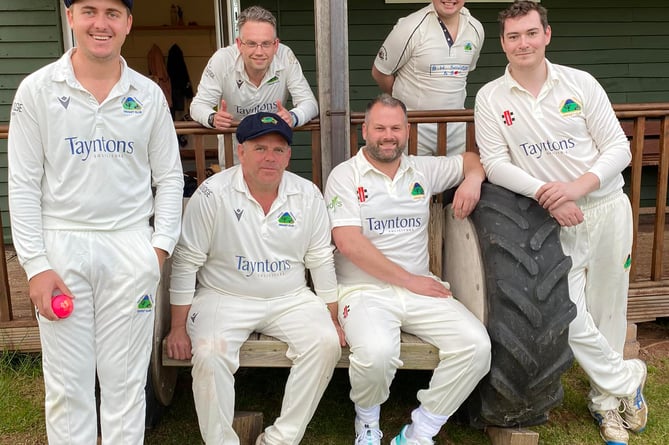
{"x":383,"y":54}
{"x":266,"y":268}
{"x":131,"y":105}
{"x":17,"y":107}
{"x":346,"y":311}
{"x":286,"y":219}
{"x":193,"y":316}
{"x":570,"y":107}
{"x":209,"y":72}
{"x":508,"y":118}
{"x":269,"y":120}
{"x":537,"y":150}
{"x":628,"y":262}
{"x":274,"y":79}
{"x":99,"y":147}
{"x":64,"y":101}
{"x":334,"y":203}
{"x":240,"y":82}
{"x":268,"y":107}
{"x":449,"y":70}
{"x":469,"y":47}
{"x":393,"y":225}
{"x":362,"y":194}
{"x":239,"y":213}
{"x":145,"y":304}
{"x":417,"y":191}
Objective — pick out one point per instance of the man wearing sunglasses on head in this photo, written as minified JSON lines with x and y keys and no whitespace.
{"x":254,"y":74}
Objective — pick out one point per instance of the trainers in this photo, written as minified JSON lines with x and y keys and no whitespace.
{"x":367,"y":434}
{"x":401,"y":439}
{"x":261,"y":439}
{"x":635,"y":410}
{"x":611,"y":427}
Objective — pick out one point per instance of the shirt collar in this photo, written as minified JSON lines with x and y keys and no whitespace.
{"x":64,"y":72}
{"x":364,"y":166}
{"x":551,"y":78}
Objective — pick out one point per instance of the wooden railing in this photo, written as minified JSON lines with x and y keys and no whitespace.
{"x":647,"y":126}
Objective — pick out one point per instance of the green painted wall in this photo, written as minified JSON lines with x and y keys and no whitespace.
{"x":625,"y":46}
{"x":30,"y":37}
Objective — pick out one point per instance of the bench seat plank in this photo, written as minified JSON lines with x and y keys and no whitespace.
{"x":262,"y":351}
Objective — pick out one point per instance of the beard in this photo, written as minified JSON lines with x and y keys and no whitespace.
{"x":375,"y":151}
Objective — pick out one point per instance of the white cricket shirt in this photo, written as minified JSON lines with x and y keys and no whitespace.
{"x":230,"y":245}
{"x":225,"y":78}
{"x":568,"y":130}
{"x":76,"y":164}
{"x":430,"y":75}
{"x":392,"y":213}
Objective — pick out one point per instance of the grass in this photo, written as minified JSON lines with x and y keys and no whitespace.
{"x":22,"y":418}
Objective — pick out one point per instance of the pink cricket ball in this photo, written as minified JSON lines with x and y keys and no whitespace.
{"x":62,"y":305}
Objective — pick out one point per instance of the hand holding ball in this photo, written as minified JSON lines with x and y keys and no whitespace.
{"x":62,"y":305}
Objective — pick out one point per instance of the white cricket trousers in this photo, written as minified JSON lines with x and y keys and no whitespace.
{"x":218,"y":324}
{"x":372,"y":317}
{"x":600,"y":249}
{"x":113,"y":277}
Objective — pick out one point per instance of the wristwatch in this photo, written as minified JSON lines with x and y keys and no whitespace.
{"x":210,"y":120}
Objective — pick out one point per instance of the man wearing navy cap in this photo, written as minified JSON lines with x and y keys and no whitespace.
{"x":249,"y":234}
{"x":89,"y":139}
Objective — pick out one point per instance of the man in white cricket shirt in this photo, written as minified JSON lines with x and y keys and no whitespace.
{"x":425,"y":61}
{"x":378,"y":203}
{"x":89,"y":139}
{"x":249,"y":234}
{"x":255,"y":74}
{"x":549,"y":132}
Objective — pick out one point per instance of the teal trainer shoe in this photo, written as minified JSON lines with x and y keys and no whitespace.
{"x":401,"y":439}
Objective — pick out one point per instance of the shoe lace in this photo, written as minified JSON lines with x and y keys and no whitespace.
{"x":612,"y":418}
{"x":369,"y":436}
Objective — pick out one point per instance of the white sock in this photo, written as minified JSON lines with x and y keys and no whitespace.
{"x":424,"y":424}
{"x":368,"y":416}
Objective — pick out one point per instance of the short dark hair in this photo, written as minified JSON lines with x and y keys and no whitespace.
{"x":521,"y":8}
{"x":255,"y":14}
{"x":386,"y":100}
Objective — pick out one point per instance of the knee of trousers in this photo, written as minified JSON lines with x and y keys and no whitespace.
{"x":323,"y":351}
{"x":375,"y":363}
{"x":211,"y":355}
{"x":479,"y":350}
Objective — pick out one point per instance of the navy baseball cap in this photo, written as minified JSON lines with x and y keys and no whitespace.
{"x":259,"y":124}
{"x":128,"y":3}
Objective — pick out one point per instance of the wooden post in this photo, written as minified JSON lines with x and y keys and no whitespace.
{"x":631,"y":344}
{"x":512,"y":436}
{"x":248,"y":426}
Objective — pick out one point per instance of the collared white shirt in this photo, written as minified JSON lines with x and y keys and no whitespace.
{"x":229,"y":244}
{"x":76,"y":164}
{"x":225,"y":78}
{"x":430,"y":75}
{"x":392,"y":213}
{"x":568,"y":130}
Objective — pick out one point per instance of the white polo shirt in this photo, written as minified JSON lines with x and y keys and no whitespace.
{"x":568,"y":130}
{"x":76,"y":164}
{"x":230,"y":245}
{"x":225,"y":78}
{"x":392,"y":213}
{"x":430,"y":75}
